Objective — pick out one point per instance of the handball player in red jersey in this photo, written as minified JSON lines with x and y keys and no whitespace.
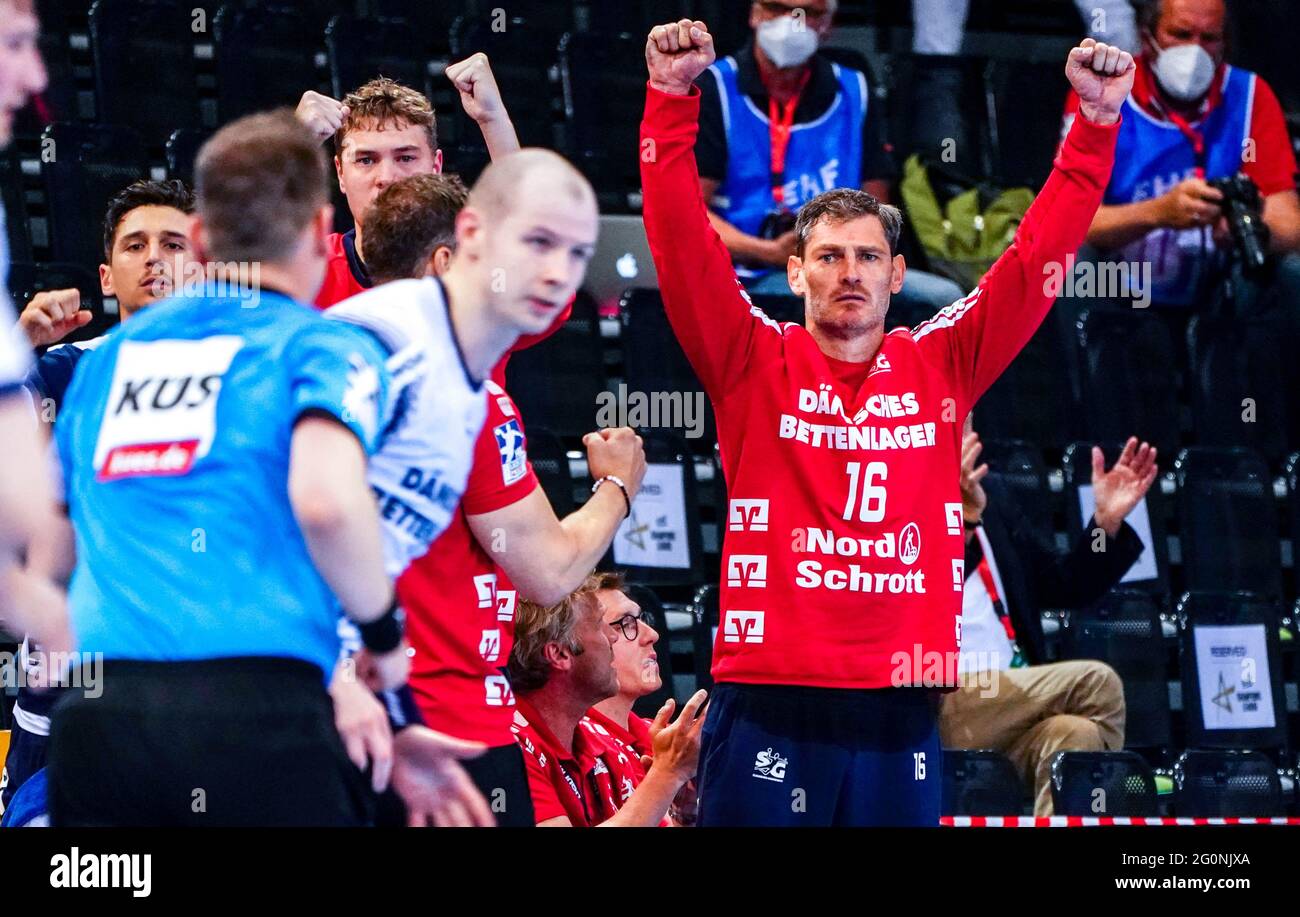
{"x":842,"y":563}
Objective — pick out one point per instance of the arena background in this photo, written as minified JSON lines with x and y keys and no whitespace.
{"x":137,"y":85}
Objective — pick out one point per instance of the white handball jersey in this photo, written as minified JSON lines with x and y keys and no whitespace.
{"x":423,"y":461}
{"x":15,"y":353}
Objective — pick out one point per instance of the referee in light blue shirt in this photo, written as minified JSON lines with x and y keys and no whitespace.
{"x":214,"y":453}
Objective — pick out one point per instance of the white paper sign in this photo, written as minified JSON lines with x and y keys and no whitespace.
{"x":1144,"y":568}
{"x":654,"y":535}
{"x":1232,"y":670}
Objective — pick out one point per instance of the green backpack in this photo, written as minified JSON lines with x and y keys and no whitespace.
{"x":963,"y":236}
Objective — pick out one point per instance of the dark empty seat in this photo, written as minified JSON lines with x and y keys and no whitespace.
{"x":551,"y":465}
{"x":15,"y":206}
{"x":1227,"y":784}
{"x":654,"y":362}
{"x":1027,"y":99}
{"x":1230,"y":656}
{"x":361,"y":50}
{"x":1033,"y":398}
{"x":1102,"y":783}
{"x":704,"y":632}
{"x":1235,"y":367}
{"x":980,"y":782}
{"x":1124,"y":631}
{"x":559,"y":382}
{"x":524,"y":54}
{"x":92,"y":162}
{"x":603,"y":99}
{"x":1151,"y":570}
{"x":145,"y":72}
{"x":1229,"y":521}
{"x":265,"y":58}
{"x":1127,"y":376}
{"x":182,"y":149}
{"x":1016,"y":468}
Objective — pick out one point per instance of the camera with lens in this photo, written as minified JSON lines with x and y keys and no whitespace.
{"x":1243,"y":207}
{"x":776,"y":224}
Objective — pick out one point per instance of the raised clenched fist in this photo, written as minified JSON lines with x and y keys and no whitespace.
{"x":52,"y":315}
{"x":1102,"y":76}
{"x":322,"y":115}
{"x":617,"y":451}
{"x":676,"y":53}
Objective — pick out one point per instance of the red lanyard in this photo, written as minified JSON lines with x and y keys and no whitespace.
{"x":1195,"y":137}
{"x":991,"y":587}
{"x":780,"y":117}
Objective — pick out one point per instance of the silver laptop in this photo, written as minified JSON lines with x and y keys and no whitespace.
{"x":622,"y":260}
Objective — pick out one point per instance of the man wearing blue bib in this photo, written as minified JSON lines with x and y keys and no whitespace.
{"x":780,"y":124}
{"x":214,"y":456}
{"x":1190,"y":120}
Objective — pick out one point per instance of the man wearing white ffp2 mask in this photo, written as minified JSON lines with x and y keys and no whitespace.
{"x":1192,"y":118}
{"x":781,"y":121}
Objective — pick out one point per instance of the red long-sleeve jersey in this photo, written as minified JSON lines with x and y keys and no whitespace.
{"x":843,"y":554}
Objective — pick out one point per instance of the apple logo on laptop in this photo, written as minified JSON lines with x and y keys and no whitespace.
{"x":627,"y":266}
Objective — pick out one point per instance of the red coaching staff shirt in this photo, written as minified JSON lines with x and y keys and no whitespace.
{"x":843,"y":555}
{"x":588,"y":785}
{"x":460,"y":606}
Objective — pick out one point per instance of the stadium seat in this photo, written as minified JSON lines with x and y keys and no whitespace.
{"x":1230,"y":658}
{"x":660,"y":543}
{"x":1016,"y":468}
{"x":92,"y":162}
{"x":1236,"y":364}
{"x":637,"y":17}
{"x":1151,"y":572}
{"x":1228,"y":516}
{"x":182,"y":149}
{"x":704,"y":631}
{"x":603,"y":100}
{"x":146,"y":77}
{"x":524,"y":55}
{"x":653,"y":361}
{"x":558,"y":382}
{"x":265,"y":58}
{"x":15,"y":206}
{"x":1103,"y":783}
{"x":425,"y":16}
{"x":652,"y":612}
{"x":1127,"y":377}
{"x":1027,"y":98}
{"x":1123,"y":630}
{"x":980,"y":782}
{"x":360,"y":50}
{"x":1034,"y":397}
{"x":551,"y":465}
{"x":1227,"y":784}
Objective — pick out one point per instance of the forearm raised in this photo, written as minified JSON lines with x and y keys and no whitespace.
{"x":1117,"y":225}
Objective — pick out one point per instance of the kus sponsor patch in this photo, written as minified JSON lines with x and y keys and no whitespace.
{"x":162,"y":406}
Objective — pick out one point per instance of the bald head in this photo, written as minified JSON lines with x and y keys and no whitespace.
{"x":510,"y":180}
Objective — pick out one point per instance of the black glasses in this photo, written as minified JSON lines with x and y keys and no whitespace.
{"x":628,"y":624}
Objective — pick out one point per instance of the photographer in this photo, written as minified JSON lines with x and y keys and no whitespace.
{"x":779,"y":124}
{"x":1200,"y":139}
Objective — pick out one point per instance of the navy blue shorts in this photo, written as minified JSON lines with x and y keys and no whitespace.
{"x":27,"y":755}
{"x":787,"y":756}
